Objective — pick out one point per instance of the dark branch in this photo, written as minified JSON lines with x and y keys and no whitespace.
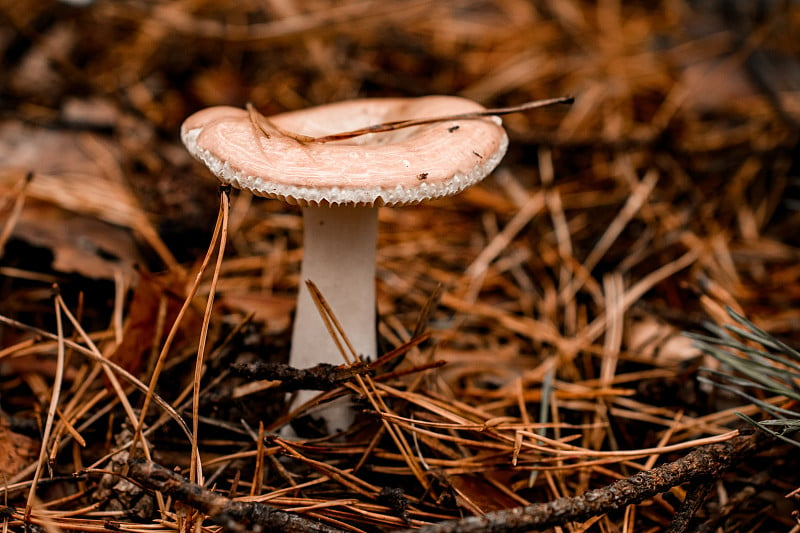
{"x":231,"y":515}
{"x":321,"y":377}
{"x":707,"y":462}
{"x":695,"y":496}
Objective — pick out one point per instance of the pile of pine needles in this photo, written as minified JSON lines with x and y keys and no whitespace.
{"x":532,"y":349}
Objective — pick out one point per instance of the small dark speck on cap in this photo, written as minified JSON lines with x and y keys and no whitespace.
{"x":422,"y":176}
{"x":477,"y":154}
{"x":451,"y":129}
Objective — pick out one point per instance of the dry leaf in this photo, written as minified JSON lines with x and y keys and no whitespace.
{"x":139,"y":334}
{"x":80,"y":244}
{"x":274,"y":311}
{"x":16,"y":450}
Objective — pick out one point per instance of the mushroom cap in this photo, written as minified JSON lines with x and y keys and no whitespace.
{"x":399,"y":167}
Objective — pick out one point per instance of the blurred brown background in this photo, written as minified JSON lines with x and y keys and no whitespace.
{"x":669,"y":190}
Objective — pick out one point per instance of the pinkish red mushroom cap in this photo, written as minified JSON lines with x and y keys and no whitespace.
{"x":399,"y":167}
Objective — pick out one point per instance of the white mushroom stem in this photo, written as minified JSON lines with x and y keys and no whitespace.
{"x":339,"y":257}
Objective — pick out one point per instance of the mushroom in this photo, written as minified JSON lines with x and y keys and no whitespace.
{"x":340,"y":185}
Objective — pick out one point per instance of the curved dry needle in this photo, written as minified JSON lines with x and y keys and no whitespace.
{"x":399,"y":124}
{"x":263,"y":124}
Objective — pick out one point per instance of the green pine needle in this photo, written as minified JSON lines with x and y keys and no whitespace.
{"x":772,"y":367}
